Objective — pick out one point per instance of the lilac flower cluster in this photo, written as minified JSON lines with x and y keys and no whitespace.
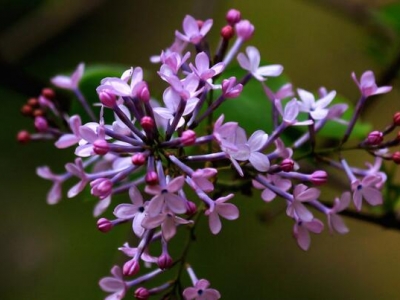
{"x":156,"y":153}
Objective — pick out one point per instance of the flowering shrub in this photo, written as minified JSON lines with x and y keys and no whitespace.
{"x":155,"y":153}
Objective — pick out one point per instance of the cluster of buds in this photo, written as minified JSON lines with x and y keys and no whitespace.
{"x":154,"y":153}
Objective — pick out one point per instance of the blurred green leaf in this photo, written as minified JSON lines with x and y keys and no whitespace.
{"x":389,"y":15}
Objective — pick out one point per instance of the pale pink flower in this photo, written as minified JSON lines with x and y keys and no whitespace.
{"x":317,"y":109}
{"x":54,"y":195}
{"x":335,"y":222}
{"x":367,"y":85}
{"x":366,"y":188}
{"x":202,"y":67}
{"x":290,"y":113}
{"x":69,"y":82}
{"x":301,"y":231}
{"x":200,"y":178}
{"x":69,"y":139}
{"x":114,"y":285}
{"x":225,"y":210}
{"x":296,"y":208}
{"x":192,"y":33}
{"x":200,"y":291}
{"x":120,"y":86}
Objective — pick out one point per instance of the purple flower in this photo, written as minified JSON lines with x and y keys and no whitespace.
{"x":120,"y":86}
{"x":317,"y":109}
{"x":335,"y":222}
{"x":114,"y":285}
{"x":230,"y":89}
{"x":267,"y":195}
{"x":296,"y":208}
{"x":225,"y":210}
{"x":200,"y":291}
{"x":290,"y":113}
{"x":69,"y":82}
{"x":54,"y":195}
{"x":192,"y":33}
{"x":301,"y":232}
{"x":367,"y":85}
{"x":77,"y":170}
{"x":222,"y":133}
{"x":251,"y":63}
{"x":200,"y":179}
{"x":366,"y":188}
{"x":69,"y":139}
{"x":202,"y":69}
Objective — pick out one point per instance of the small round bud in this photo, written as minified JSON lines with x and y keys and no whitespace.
{"x":33,"y":102}
{"x":287,"y":165}
{"x":233,"y":16}
{"x":38,"y":112}
{"x":101,"y":187}
{"x":138,"y":159}
{"x":244,"y":30}
{"x":142,"y":293}
{"x":319,"y":177}
{"x":48,"y":93}
{"x":104,"y":225}
{"x":188,"y":137}
{"x":147,"y":123}
{"x":396,"y":118}
{"x":165,"y":261}
{"x":143,"y":92}
{"x":374,"y":138}
{"x":41,"y":124}
{"x":107,"y":98}
{"x":131,"y":267}
{"x":191,"y":208}
{"x":23,"y":137}
{"x":26,"y":110}
{"x":101,"y":147}
{"x":396,"y":157}
{"x":227,"y":32}
{"x":151,"y":178}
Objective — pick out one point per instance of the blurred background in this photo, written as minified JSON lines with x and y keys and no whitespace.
{"x":55,"y":252}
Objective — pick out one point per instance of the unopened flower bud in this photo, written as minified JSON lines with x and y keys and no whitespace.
{"x":244,"y":30}
{"x":396,"y":157}
{"x":396,"y":118}
{"x":151,"y":178}
{"x":107,"y":98}
{"x":375,"y":138}
{"x":101,"y":187}
{"x":131,"y":267}
{"x":143,"y":92}
{"x":165,"y":261}
{"x":138,"y":159}
{"x":319,"y":177}
{"x":48,"y":93}
{"x":188,"y":137}
{"x":33,"y":102}
{"x":233,"y":16}
{"x":27,"y":110}
{"x":38,"y":112}
{"x":104,"y":225}
{"x":142,"y":293}
{"x":101,"y":147}
{"x":287,"y":165}
{"x":191,"y":208}
{"x":23,"y":137}
{"x":41,"y":124}
{"x":147,"y":123}
{"x":227,"y":32}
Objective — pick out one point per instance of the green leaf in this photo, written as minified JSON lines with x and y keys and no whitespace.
{"x":389,"y":15}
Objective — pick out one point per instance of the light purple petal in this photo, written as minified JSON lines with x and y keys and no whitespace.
{"x":338,"y":224}
{"x":372,"y":195}
{"x":244,"y":62}
{"x":257,"y":140}
{"x":303,"y":237}
{"x":302,"y":212}
{"x":259,"y":161}
{"x":214,"y":222}
{"x":155,"y":206}
{"x":271,"y":70}
{"x":228,"y":211}
{"x":175,"y":203}
{"x":125,"y":211}
{"x":357,"y":199}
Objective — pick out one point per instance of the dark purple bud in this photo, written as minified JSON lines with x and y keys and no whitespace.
{"x":23,"y":137}
{"x":41,"y":124}
{"x":244,"y":30}
{"x":188,"y":137}
{"x":165,"y":261}
{"x":191,"y":208}
{"x":101,"y":147}
{"x":375,"y":138}
{"x":151,"y":178}
{"x":233,"y":16}
{"x":227,"y":32}
{"x":107,"y":98}
{"x":138,"y":159}
{"x":147,"y":123}
{"x":287,"y":165}
{"x":104,"y":225}
{"x":319,"y":177}
{"x":396,"y":157}
{"x":142,"y":293}
{"x":131,"y":267}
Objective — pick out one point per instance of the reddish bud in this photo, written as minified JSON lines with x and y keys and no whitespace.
{"x":107,"y":99}
{"x":287,"y":165}
{"x":396,"y":157}
{"x":233,"y":16}
{"x":33,"y":102}
{"x":165,"y":261}
{"x":48,"y":93}
{"x":104,"y":225}
{"x":131,"y":267}
{"x":191,"y":208}
{"x":188,"y":137}
{"x":374,"y":138}
{"x":151,"y":178}
{"x":227,"y":32}
{"x":147,"y":123}
{"x":396,"y":118}
{"x":142,"y":293}
{"x":23,"y":137}
{"x":38,"y":112}
{"x":101,"y":147}
{"x":319,"y":177}
{"x":138,"y":159}
{"x":26,"y":110}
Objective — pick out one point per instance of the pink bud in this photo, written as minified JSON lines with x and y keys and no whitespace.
{"x":230,"y":89}
{"x":104,"y":225}
{"x":233,"y":16}
{"x":143,"y":92}
{"x":319,"y":177}
{"x":41,"y":124}
{"x":131,"y":267}
{"x":287,"y":165}
{"x":23,"y":137}
{"x":100,"y":147}
{"x":244,"y":30}
{"x":142,"y":293}
{"x":396,"y":118}
{"x":396,"y":157}
{"x":375,"y":138}
{"x":227,"y":32}
{"x":147,"y":123}
{"x":188,"y":137}
{"x":138,"y":159}
{"x":164,"y":261}
{"x":151,"y":178}
{"x":101,"y":187}
{"x":107,"y":98}
{"x":191,"y":208}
